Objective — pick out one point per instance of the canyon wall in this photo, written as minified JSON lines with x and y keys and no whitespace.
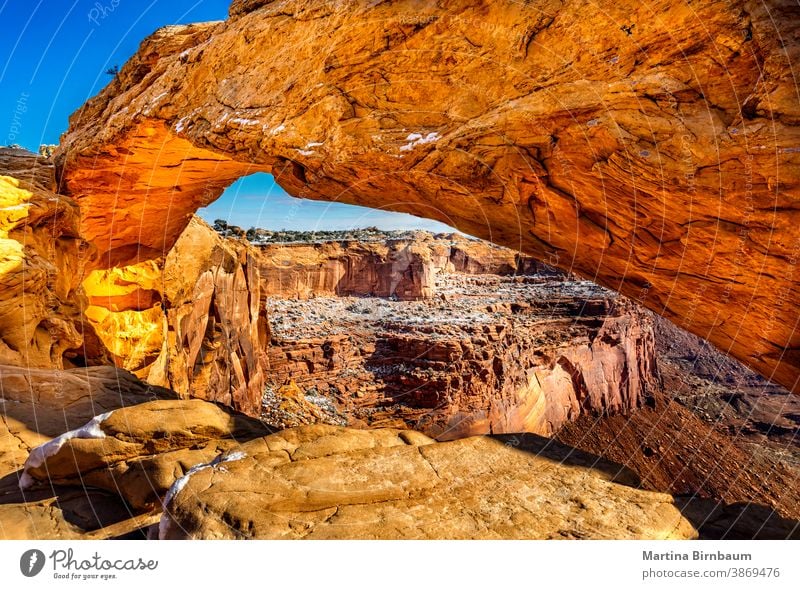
{"x":529,"y":359}
{"x":660,"y":158}
{"x":401,"y":268}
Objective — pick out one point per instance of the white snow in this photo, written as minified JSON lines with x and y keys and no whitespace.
{"x":181,"y":125}
{"x":314,"y":144}
{"x":159,"y":96}
{"x":278,"y":129}
{"x":40,"y":454}
{"x":415,"y":139}
{"x":179,"y":484}
{"x":305,"y":152}
{"x":244,"y":121}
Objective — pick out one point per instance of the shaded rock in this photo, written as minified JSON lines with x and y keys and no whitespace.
{"x":737,"y":521}
{"x":139,"y":452}
{"x":328,"y":482}
{"x":72,"y":513}
{"x":38,"y":404}
{"x":674,"y":451}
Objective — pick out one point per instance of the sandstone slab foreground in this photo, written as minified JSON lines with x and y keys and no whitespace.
{"x":326,"y":482}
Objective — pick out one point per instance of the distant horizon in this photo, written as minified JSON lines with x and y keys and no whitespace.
{"x":258,"y":201}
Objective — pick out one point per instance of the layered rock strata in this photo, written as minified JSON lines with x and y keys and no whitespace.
{"x":490,"y":355}
{"x":400,"y":268}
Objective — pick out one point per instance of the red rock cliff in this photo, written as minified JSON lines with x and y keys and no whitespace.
{"x":507,"y":355}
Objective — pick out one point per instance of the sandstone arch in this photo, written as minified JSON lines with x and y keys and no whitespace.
{"x":660,"y":157}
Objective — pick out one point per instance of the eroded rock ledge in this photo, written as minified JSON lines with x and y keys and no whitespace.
{"x":660,"y":158}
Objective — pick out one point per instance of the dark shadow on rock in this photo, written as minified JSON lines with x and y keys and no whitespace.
{"x":52,"y":402}
{"x":567,"y":455}
{"x":737,"y":521}
{"x":88,"y":509}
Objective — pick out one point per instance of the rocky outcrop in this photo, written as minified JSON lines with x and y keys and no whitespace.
{"x":41,"y":265}
{"x":191,"y":321}
{"x":299,"y":484}
{"x":491,"y":355}
{"x":139,"y":452}
{"x":660,"y":158}
{"x":218,"y":474}
{"x":37,"y":405}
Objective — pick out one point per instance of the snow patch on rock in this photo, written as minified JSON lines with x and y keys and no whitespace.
{"x":242,"y":121}
{"x":415,"y":139}
{"x":40,"y":454}
{"x":179,"y":484}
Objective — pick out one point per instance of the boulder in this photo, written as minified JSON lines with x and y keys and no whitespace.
{"x":138,"y":452}
{"x":329,"y":482}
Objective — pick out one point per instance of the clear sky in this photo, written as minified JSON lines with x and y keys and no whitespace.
{"x":53,"y":57}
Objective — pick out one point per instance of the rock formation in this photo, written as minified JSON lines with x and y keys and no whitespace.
{"x":138,"y":452}
{"x":39,"y":404}
{"x":298,"y":484}
{"x":660,"y":158}
{"x":191,"y":321}
{"x":399,"y":268}
{"x":41,"y":264}
{"x":489,"y":355}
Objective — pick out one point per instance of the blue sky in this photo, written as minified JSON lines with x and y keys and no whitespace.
{"x":53,"y":57}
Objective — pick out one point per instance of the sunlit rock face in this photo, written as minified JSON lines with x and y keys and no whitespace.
{"x":191,"y":321}
{"x":41,"y":263}
{"x":660,"y":158}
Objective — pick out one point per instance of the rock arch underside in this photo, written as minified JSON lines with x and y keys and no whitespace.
{"x":659,"y":157}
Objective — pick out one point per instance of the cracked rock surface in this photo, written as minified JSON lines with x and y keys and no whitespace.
{"x":330,"y":482}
